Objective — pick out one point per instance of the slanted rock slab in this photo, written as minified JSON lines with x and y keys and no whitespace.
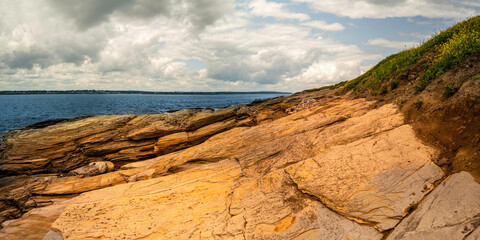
{"x":451,"y":211}
{"x":372,"y":179}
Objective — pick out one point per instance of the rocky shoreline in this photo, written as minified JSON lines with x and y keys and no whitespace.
{"x":310,"y":166}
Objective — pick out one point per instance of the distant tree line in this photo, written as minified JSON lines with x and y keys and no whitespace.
{"x":29,"y":92}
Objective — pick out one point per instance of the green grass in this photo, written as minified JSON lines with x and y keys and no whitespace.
{"x":411,"y":207}
{"x":446,"y":48}
{"x":394,"y":84}
{"x":330,"y":87}
{"x":450,"y":90}
{"x":419,"y":103}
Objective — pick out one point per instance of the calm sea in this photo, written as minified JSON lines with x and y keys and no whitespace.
{"x":18,"y":111}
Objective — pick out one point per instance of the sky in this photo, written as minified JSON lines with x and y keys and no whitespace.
{"x":209,"y":45}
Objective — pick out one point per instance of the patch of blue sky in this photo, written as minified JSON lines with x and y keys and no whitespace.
{"x":193,"y":64}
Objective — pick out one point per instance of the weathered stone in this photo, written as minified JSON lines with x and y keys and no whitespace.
{"x":95,"y":150}
{"x":181,"y":140}
{"x":451,"y":211}
{"x":144,"y":175}
{"x":79,"y":184}
{"x":31,"y":151}
{"x":347,"y":158}
{"x":373,"y":179}
{"x":158,"y":125}
{"x":156,"y":129}
{"x":52,"y":235}
{"x":223,"y":178}
{"x":198,"y":203}
{"x":287,"y":140}
{"x":132,"y":154}
{"x":16,"y":194}
{"x":35,"y":224}
{"x":206,"y":117}
{"x":92,"y":169}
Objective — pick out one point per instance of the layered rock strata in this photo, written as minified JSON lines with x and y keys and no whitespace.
{"x":326,"y":168}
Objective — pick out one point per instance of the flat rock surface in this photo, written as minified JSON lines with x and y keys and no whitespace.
{"x":451,"y":211}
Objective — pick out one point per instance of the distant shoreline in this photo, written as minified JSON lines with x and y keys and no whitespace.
{"x":32,"y":92}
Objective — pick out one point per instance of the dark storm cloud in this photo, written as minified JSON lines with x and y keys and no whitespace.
{"x":202,"y":13}
{"x":27,"y":58}
{"x":46,"y":52}
{"x":89,"y":13}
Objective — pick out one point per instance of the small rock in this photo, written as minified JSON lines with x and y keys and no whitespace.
{"x":92,"y":169}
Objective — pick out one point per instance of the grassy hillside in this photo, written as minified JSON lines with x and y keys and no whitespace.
{"x":443,"y":51}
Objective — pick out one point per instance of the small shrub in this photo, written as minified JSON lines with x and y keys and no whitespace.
{"x":450,"y":90}
{"x":394,"y":84}
{"x":419,"y":103}
{"x":411,"y":207}
{"x":383,"y":90}
{"x":476,"y":78}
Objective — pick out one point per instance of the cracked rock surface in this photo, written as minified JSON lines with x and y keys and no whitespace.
{"x":331,"y":169}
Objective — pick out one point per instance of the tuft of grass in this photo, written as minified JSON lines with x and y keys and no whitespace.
{"x":446,"y":48}
{"x":450,"y":90}
{"x":476,"y":78}
{"x":411,"y":207}
{"x":394,"y":84}
{"x":383,"y":90}
{"x":419,"y":103}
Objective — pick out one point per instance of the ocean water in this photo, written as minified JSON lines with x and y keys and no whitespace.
{"x":18,"y":111}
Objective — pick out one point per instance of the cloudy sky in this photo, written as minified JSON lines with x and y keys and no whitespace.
{"x":208,"y":45}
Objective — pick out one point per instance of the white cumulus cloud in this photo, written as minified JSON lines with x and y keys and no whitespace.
{"x":393,"y":8}
{"x":382,"y":42}
{"x":265,"y":8}
{"x":322,"y":25}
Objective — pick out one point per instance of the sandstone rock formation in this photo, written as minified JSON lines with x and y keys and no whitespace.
{"x":199,"y":203}
{"x":36,"y":223}
{"x":451,"y":211}
{"x":331,"y":168}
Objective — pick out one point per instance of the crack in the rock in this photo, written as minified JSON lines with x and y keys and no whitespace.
{"x":318,"y":199}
